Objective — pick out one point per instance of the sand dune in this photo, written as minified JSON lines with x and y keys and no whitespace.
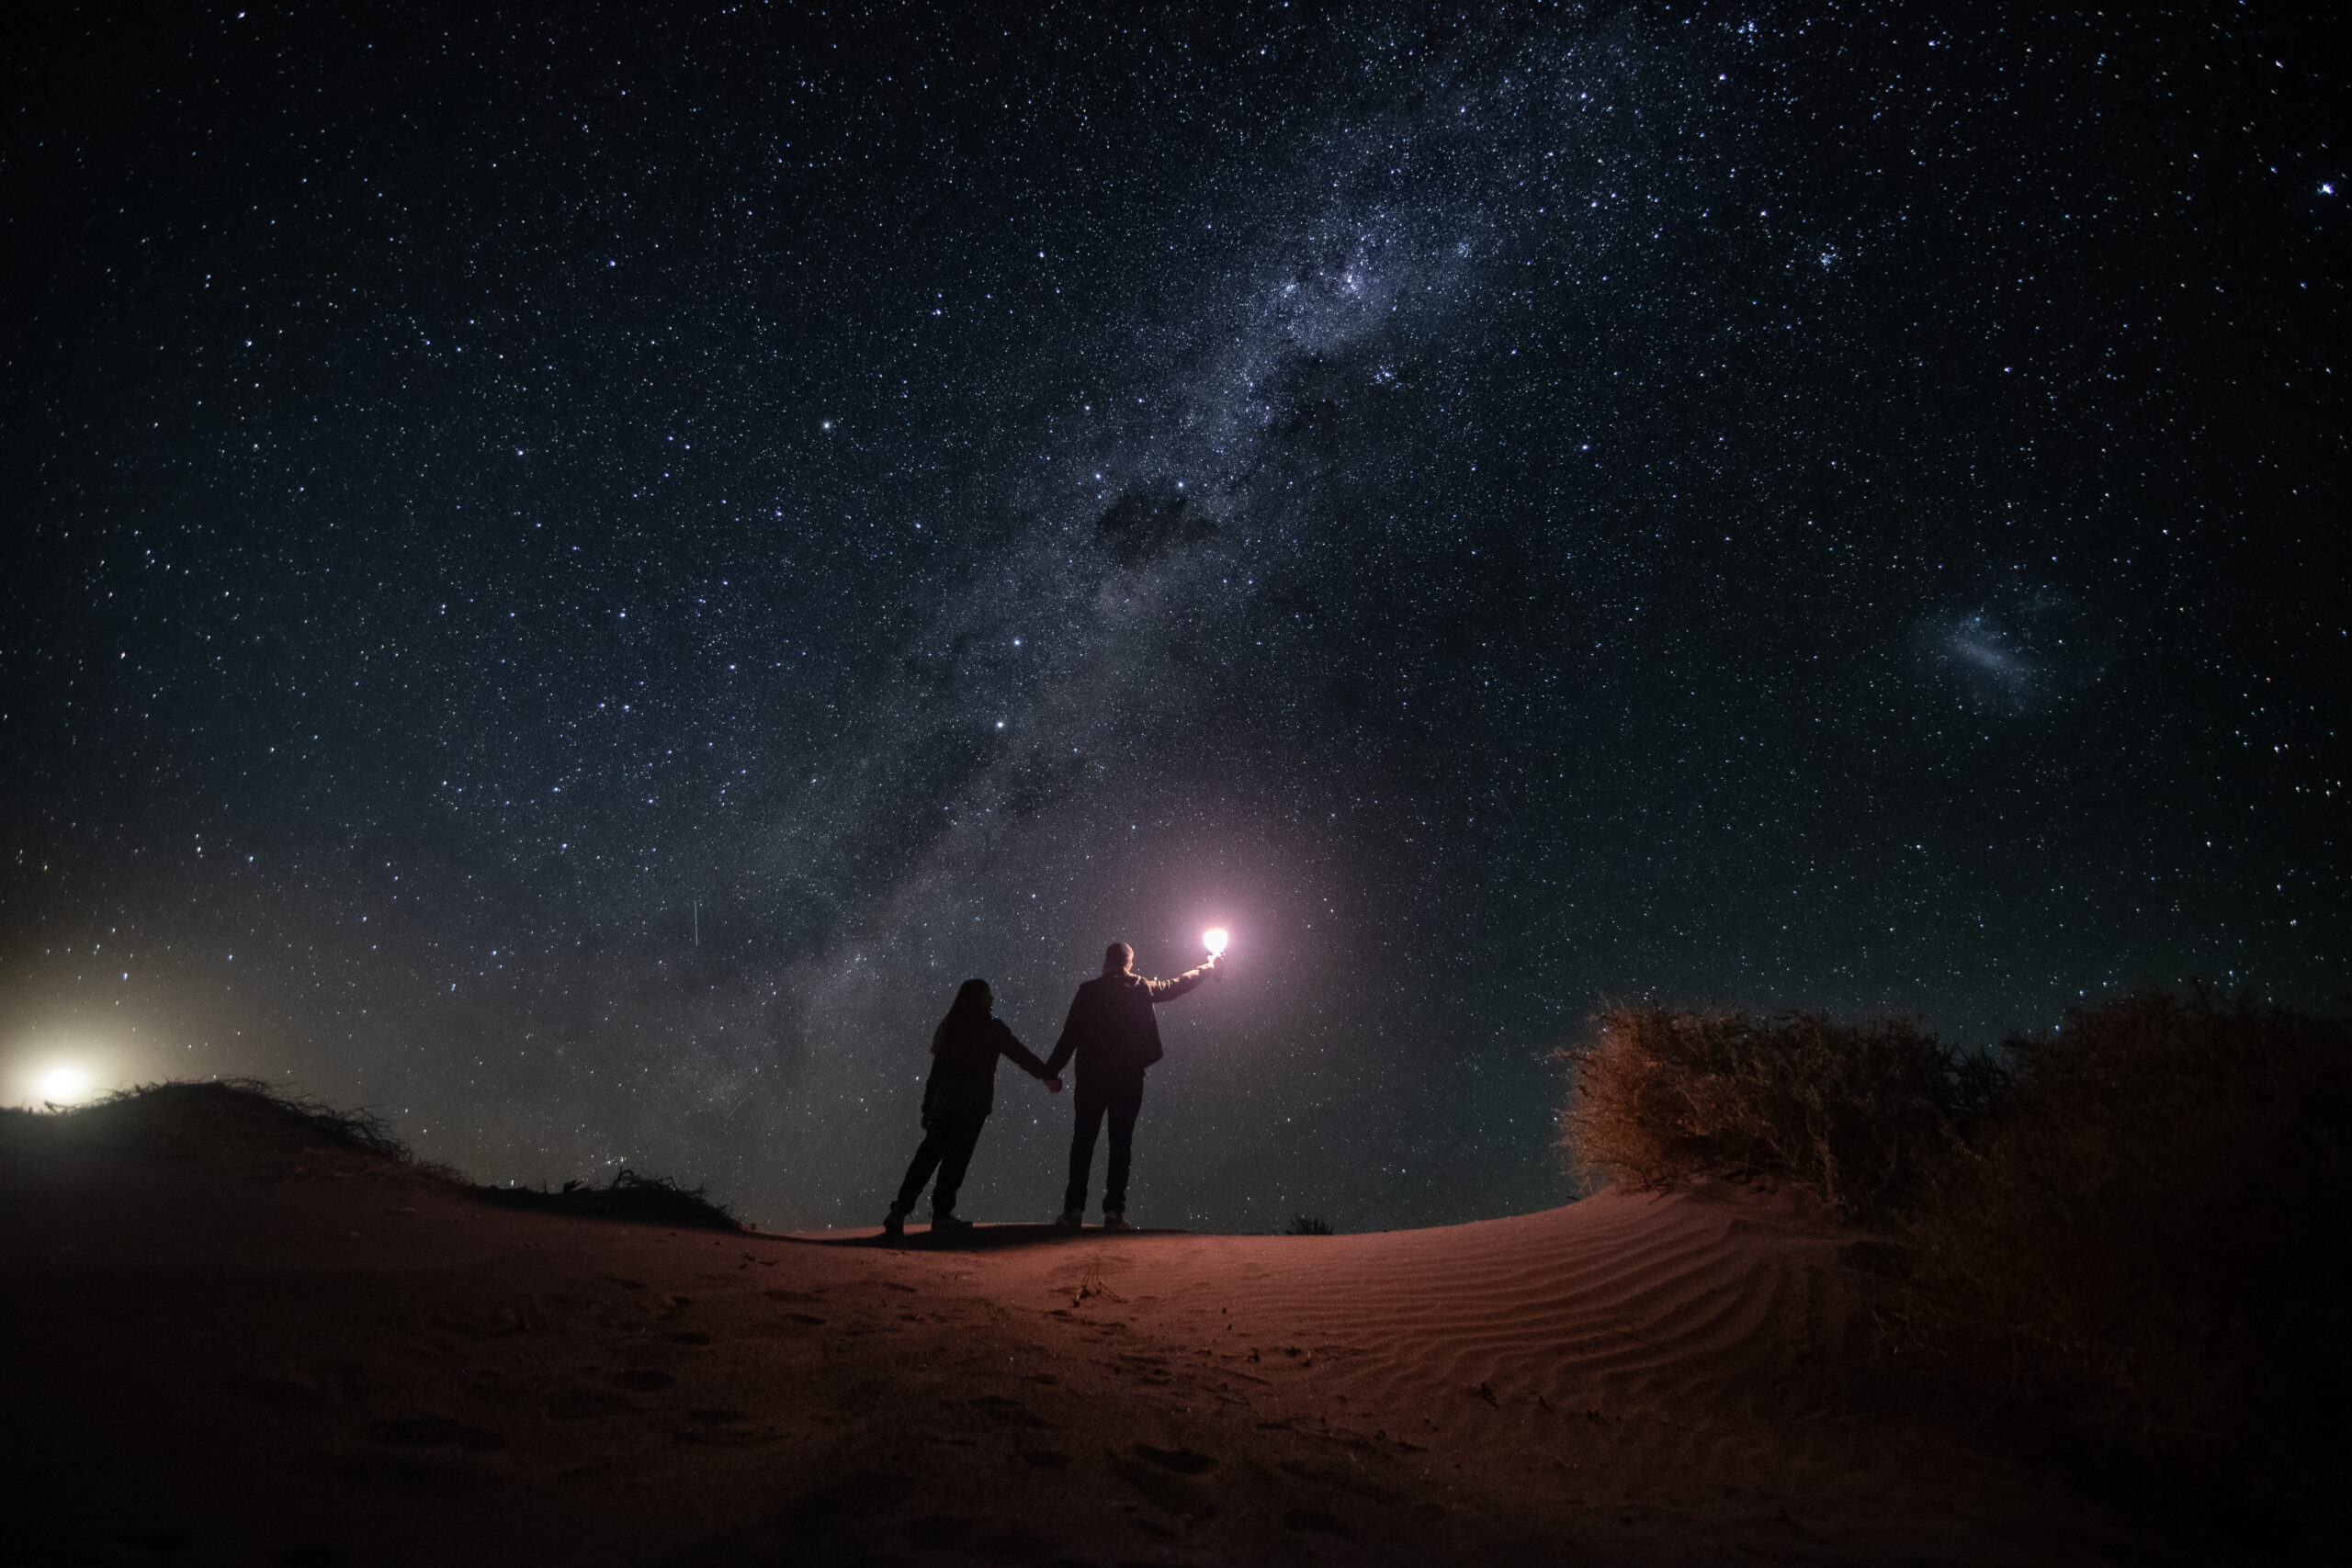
{"x":314,"y":1364}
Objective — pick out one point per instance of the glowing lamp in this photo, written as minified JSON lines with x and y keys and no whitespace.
{"x":1213,"y":940}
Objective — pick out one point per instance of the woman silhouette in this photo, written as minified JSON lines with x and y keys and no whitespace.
{"x":956,"y":1102}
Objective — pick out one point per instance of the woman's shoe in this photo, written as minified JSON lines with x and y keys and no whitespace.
{"x":895,"y":1221}
{"x":1115,"y":1220}
{"x":949,"y":1222}
{"x":1071,"y":1219}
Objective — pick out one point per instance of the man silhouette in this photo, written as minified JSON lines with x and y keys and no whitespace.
{"x":1115,"y":1036}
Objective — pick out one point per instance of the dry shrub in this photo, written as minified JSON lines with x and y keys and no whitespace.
{"x":1854,"y":1114}
{"x":243,"y":1123}
{"x":223,"y":1122}
{"x":628,"y":1197}
{"x":2134,"y":1227}
{"x":2151,"y":1236}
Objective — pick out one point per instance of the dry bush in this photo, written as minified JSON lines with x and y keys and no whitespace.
{"x":2152,"y":1235}
{"x":225,"y":1121}
{"x":246,"y":1124}
{"x":2134,"y":1226}
{"x":638,"y":1200}
{"x":1854,"y":1114}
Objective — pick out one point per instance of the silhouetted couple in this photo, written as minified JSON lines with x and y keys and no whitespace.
{"x":1111,"y":1031}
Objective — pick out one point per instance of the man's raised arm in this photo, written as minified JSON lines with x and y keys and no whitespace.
{"x":1169,"y":991}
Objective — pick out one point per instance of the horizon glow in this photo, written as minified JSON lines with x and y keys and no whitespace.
{"x":65,"y":1083}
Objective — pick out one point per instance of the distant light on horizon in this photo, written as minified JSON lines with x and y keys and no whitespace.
{"x":65,"y":1083}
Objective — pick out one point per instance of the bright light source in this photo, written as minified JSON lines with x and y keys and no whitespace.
{"x":1213,"y":940}
{"x":65,"y":1083}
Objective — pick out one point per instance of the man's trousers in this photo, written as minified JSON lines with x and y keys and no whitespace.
{"x":1121,"y":1098}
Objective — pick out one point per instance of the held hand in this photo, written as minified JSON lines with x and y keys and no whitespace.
{"x":1053,"y":1086}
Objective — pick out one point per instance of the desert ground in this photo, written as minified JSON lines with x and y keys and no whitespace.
{"x":310,"y":1357}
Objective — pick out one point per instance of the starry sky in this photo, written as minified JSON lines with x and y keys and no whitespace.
{"x":569,"y":571}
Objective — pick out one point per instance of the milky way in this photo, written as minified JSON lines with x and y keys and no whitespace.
{"x":570,"y":578}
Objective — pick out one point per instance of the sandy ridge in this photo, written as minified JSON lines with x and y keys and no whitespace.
{"x":321,"y":1369}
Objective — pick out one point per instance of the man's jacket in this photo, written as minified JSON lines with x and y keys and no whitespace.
{"x":1111,"y":1028}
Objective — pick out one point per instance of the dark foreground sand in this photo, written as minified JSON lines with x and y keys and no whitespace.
{"x":329,"y":1362}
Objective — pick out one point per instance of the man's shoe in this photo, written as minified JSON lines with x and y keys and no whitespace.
{"x":895,"y":1221}
{"x":949,"y":1222}
{"x":1071,"y":1219}
{"x":1115,"y":1220}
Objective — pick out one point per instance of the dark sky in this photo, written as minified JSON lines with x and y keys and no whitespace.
{"x":571,"y":570}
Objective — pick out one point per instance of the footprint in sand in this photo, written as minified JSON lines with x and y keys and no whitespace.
{"x":1165,"y":1478}
{"x":1316,"y":1520}
{"x":497,"y":1322}
{"x":278,"y":1393}
{"x":290,"y":1391}
{"x":584,"y":1403}
{"x":726,"y":1429}
{"x":948,"y":1532}
{"x":390,"y":1472}
{"x":1010,"y":1411}
{"x":940,"y":1532}
{"x":643,"y":1379}
{"x":1183,"y":1461}
{"x":857,"y":1496}
{"x":1351,"y":1479}
{"x":429,"y":1431}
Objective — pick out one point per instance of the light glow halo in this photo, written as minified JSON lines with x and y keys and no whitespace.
{"x":1214,"y":939}
{"x":65,"y":1083}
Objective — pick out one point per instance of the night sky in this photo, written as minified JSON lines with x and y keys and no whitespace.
{"x":569,"y":572}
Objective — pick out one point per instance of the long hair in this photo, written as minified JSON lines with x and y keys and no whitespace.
{"x":970,"y":1006}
